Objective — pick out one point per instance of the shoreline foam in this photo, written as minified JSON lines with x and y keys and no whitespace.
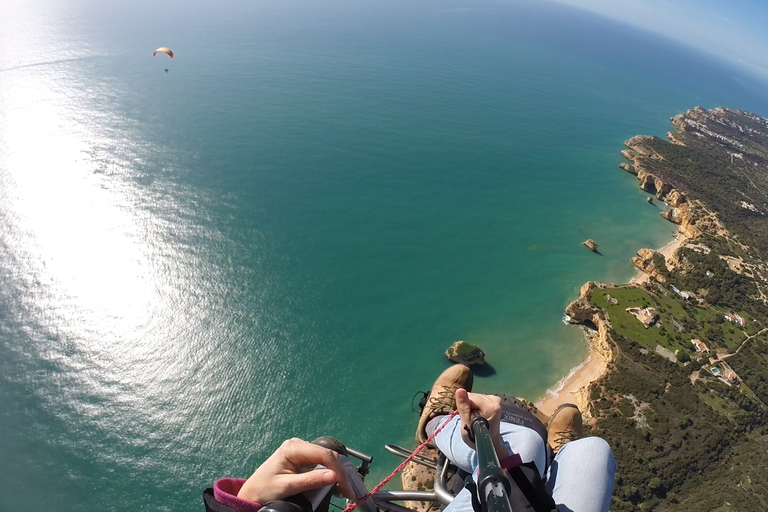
{"x":576,"y":381}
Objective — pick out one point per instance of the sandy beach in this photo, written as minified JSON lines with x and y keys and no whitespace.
{"x":572,"y":387}
{"x":575,"y":383}
{"x":668,"y":250}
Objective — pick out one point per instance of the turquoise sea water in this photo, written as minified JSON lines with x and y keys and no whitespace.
{"x":283,"y":233}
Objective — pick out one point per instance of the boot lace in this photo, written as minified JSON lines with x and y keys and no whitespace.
{"x":563,"y":437}
{"x":444,"y":401}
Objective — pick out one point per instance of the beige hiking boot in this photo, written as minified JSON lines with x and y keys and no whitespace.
{"x":563,"y":427}
{"x":441,"y":399}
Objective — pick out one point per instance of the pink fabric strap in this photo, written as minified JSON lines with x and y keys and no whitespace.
{"x":225,"y":492}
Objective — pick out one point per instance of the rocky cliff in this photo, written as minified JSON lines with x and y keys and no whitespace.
{"x":640,"y":150}
{"x":597,"y":328}
{"x":712,"y":173}
{"x":651,"y":263}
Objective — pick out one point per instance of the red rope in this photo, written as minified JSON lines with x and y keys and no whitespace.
{"x":399,"y":468}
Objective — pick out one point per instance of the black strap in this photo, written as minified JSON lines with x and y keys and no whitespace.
{"x":514,"y":411}
{"x":526,"y":478}
{"x":528,"y":493}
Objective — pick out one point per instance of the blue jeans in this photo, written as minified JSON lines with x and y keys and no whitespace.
{"x":580,"y":478}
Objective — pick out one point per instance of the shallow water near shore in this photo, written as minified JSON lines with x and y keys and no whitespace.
{"x":283,"y":233}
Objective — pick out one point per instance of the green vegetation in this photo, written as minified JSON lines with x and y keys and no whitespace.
{"x":678,"y":320}
{"x":707,"y":173}
{"x":684,"y":438}
{"x":674,"y":439}
{"x":723,"y":286}
{"x":465,"y":349}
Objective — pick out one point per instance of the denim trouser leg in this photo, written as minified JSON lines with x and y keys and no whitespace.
{"x":581,"y":476}
{"x":519,"y":440}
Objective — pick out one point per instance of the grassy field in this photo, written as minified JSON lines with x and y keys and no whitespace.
{"x":679,"y":320}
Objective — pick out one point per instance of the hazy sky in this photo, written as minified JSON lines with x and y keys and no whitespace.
{"x":736,"y":30}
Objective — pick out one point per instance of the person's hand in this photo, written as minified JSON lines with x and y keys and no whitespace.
{"x":281,"y":475}
{"x":489,"y":407}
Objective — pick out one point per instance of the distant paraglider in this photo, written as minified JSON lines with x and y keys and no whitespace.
{"x":163,"y":49}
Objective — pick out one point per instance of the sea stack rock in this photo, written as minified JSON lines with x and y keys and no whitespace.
{"x":590,"y":244}
{"x":462,"y":352}
{"x":650,"y":199}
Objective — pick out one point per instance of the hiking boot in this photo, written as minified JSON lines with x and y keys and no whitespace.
{"x":563,"y":427}
{"x":442,"y":398}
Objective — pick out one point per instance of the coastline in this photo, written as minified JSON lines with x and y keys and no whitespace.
{"x":573,"y":387}
{"x":668,"y":250}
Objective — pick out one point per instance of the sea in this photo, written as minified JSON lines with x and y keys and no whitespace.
{"x":279,"y":231}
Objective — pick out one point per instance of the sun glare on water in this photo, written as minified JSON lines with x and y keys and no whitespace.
{"x":116,"y":293}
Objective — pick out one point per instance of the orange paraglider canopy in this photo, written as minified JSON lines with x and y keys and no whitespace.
{"x":163,"y":49}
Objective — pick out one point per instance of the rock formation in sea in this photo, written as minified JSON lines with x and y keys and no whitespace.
{"x":462,"y":352}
